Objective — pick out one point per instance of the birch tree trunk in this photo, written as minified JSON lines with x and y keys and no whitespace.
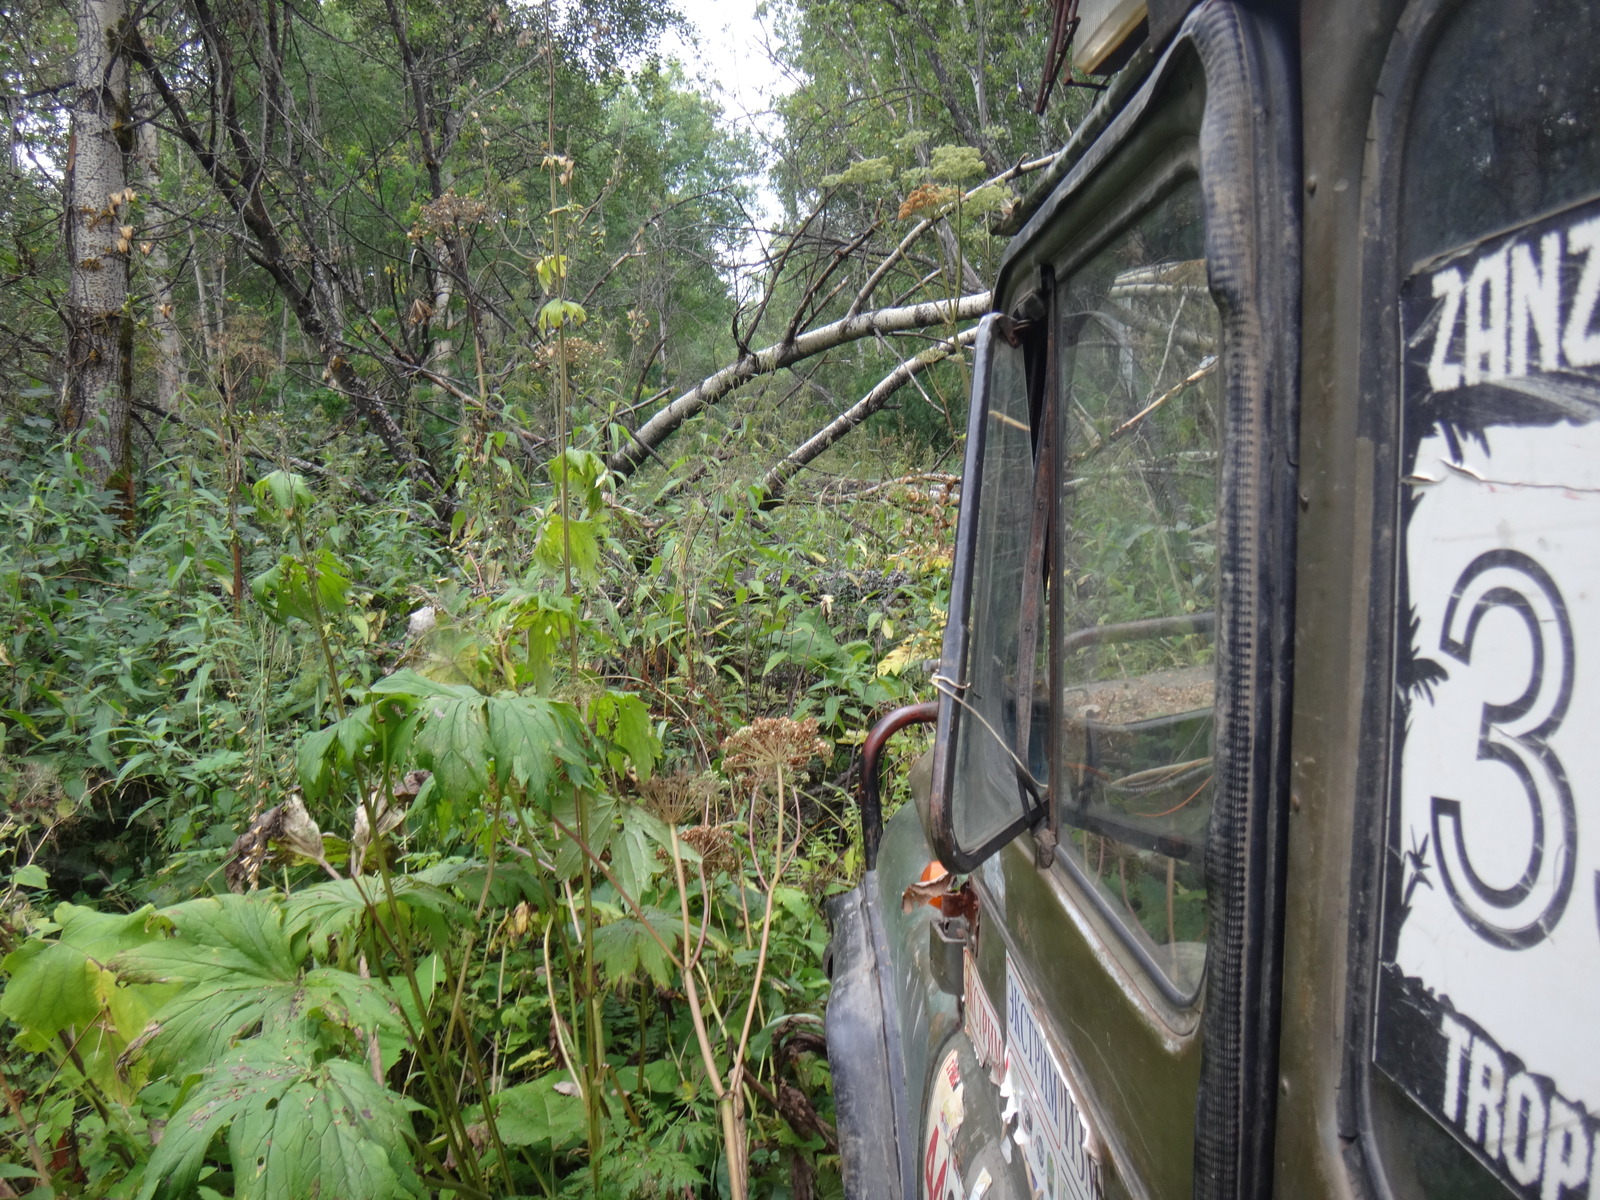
{"x":99,"y":366}
{"x":776,"y":482}
{"x":163,"y":318}
{"x":642,"y":443}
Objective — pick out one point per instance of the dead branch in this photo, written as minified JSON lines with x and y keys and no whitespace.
{"x":627,"y":458}
{"x":848,"y":491}
{"x":777,"y":479}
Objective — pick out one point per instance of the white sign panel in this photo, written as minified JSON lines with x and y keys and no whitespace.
{"x":1490,"y":962}
{"x":981,"y":1022}
{"x":941,"y":1174}
{"x":1050,"y":1130}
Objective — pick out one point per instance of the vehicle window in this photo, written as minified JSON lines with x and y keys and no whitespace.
{"x":1497,"y":135}
{"x":987,"y":727}
{"x":1141,"y":421}
{"x":1488,"y":1073}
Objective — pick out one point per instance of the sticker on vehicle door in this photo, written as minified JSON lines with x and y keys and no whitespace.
{"x":941,"y":1173}
{"x":979,"y":1020}
{"x":1043,"y":1116}
{"x":1490,"y":958}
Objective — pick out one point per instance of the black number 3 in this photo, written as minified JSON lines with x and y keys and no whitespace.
{"x":1516,"y":735}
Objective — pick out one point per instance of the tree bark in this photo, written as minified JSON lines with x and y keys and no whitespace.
{"x":96,"y":397}
{"x":631,"y":454}
{"x":170,"y":371}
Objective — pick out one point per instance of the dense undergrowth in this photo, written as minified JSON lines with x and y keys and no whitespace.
{"x":346,"y":851}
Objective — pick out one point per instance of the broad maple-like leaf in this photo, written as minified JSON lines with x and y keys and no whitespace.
{"x":532,"y":737}
{"x":453,"y":742}
{"x":240,"y":972}
{"x":626,"y":946}
{"x":295,"y":1129}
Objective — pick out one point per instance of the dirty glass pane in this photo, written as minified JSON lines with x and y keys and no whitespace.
{"x":986,"y":796}
{"x":1505,"y":124}
{"x":1142,"y":435}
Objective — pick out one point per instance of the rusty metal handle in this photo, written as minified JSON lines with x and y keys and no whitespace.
{"x":871,"y":751}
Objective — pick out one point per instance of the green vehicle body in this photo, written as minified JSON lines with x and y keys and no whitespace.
{"x":1278,"y":512}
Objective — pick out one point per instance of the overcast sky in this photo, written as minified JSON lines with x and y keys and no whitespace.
{"x":728,"y":52}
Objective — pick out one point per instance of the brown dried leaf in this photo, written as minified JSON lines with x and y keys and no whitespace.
{"x":390,"y":812}
{"x":928,"y":891}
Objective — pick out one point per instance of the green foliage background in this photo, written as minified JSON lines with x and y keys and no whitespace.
{"x":369,"y":837}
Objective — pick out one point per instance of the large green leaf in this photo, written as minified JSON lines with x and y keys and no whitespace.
{"x":634,"y":860}
{"x":52,"y":987}
{"x":531,"y":736}
{"x":344,"y":742}
{"x":311,"y":759}
{"x":586,"y":813}
{"x":294,"y":1129}
{"x":63,"y":986}
{"x":625,"y":719}
{"x":235,"y":967}
{"x":289,"y":590}
{"x":580,"y":539}
{"x":410,"y":683}
{"x":101,"y":935}
{"x":336,"y":908}
{"x":627,"y":946}
{"x":535,"y":1114}
{"x":239,"y":971}
{"x":355,"y":733}
{"x":56,"y":984}
{"x":284,"y":493}
{"x":220,"y":939}
{"x":453,"y":742}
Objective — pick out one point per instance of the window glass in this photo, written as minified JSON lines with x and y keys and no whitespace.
{"x":1504,"y":123}
{"x":988,"y":795}
{"x":1142,"y":434}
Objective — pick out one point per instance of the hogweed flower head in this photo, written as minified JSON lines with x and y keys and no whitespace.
{"x":770,"y":745}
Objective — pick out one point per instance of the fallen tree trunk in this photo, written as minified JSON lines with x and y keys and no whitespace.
{"x":776,"y":482}
{"x":648,"y":437}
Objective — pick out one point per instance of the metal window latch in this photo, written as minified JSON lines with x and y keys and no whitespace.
{"x":1044,"y":848}
{"x":947,"y":938}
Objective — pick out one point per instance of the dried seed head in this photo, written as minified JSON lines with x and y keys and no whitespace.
{"x":449,"y":212}
{"x":716,"y":845}
{"x":928,"y":200}
{"x":771,"y":744}
{"x":670,"y":797}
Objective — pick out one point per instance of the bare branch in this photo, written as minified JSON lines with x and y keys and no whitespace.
{"x":777,"y":479}
{"x":848,"y":491}
{"x":627,"y":459}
